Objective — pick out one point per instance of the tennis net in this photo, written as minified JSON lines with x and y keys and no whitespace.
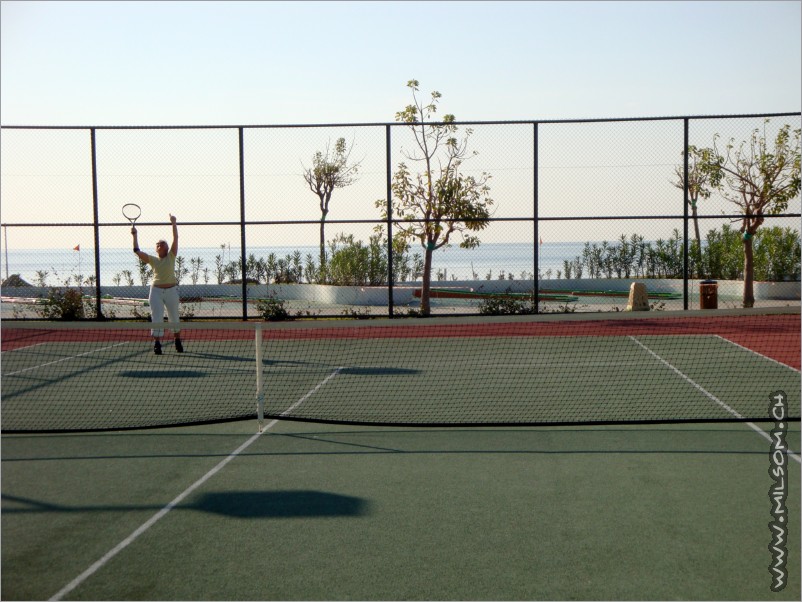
{"x":516,"y":370}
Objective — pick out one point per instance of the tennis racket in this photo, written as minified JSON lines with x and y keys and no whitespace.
{"x":132,"y":212}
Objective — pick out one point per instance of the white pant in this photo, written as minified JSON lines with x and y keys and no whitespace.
{"x":160,"y":298}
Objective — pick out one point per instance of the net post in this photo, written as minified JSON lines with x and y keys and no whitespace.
{"x":260,"y":394}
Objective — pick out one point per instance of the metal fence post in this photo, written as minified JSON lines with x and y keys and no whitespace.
{"x":95,"y":224}
{"x":685,"y":262}
{"x":388,"y":177}
{"x":242,"y":224}
{"x":536,"y":242}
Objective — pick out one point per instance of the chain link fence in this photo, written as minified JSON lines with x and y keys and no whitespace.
{"x":581,"y":209}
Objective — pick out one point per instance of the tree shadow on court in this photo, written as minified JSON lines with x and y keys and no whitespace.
{"x":162,"y":374}
{"x":235,"y":504}
{"x":281,"y":504}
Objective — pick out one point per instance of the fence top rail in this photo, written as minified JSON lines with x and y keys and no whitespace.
{"x":590,"y":218}
{"x":547,"y":218}
{"x":395,"y":124}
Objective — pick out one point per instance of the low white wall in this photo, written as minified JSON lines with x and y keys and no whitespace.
{"x":403,"y":294}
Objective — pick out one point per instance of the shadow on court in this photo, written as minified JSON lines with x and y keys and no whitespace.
{"x":235,"y":504}
{"x":163,"y":374}
{"x":281,"y":504}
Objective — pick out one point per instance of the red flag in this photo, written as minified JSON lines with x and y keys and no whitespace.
{"x":77,"y":248}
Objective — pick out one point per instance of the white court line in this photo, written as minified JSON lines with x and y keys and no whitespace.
{"x":752,"y":425}
{"x":64,"y":359}
{"x":308,"y":395}
{"x":21,"y":348}
{"x":163,"y":512}
{"x":765,"y":357}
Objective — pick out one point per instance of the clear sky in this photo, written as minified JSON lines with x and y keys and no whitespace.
{"x":280,"y":63}
{"x":247,"y":63}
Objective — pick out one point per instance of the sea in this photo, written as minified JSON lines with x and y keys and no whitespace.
{"x":489,"y":261}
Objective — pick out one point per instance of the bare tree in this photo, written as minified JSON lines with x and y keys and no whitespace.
{"x":329,"y":171}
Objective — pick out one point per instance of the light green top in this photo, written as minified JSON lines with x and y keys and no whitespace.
{"x":163,"y":269}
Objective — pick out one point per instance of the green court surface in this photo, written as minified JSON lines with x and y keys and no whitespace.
{"x":546,"y":380}
{"x":652,"y":371}
{"x":598,"y":464}
{"x":313,"y":511}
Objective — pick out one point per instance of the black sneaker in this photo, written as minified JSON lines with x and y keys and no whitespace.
{"x":178,"y":346}
{"x":157,"y":348}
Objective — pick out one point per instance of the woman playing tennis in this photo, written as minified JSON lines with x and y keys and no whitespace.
{"x":164,"y":290}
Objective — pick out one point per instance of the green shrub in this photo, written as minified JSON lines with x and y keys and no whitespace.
{"x":776,"y":256}
{"x":272,"y":309}
{"x":352,"y":262}
{"x":504,"y":305}
{"x":723,"y":256}
{"x":62,"y":304}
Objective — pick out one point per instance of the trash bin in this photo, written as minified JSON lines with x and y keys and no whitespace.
{"x":708,"y":294}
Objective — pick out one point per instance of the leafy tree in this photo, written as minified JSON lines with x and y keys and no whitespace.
{"x":329,"y":171}
{"x":759,"y":179}
{"x":439,"y":201}
{"x":698,"y":188}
